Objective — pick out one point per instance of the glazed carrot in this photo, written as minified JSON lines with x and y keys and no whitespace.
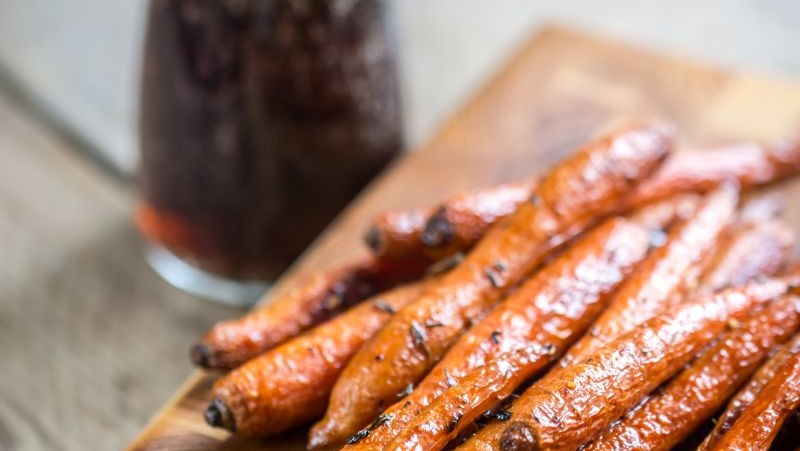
{"x":233,"y":342}
{"x":760,"y":422}
{"x":574,"y":406}
{"x":673,"y":412}
{"x":575,"y":194}
{"x":455,"y":225}
{"x":550,"y":310}
{"x":754,"y":249}
{"x":745,"y":397}
{"x":661,"y":214}
{"x":464,"y":220}
{"x":614,"y":385}
{"x":460,"y":405}
{"x":750,"y":163}
{"x":290,"y":384}
{"x":665,"y":277}
{"x":484,"y":388}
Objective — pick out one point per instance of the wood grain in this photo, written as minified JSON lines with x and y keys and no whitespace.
{"x":552,"y":96}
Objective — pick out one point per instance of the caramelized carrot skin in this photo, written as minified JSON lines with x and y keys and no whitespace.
{"x":749,"y":163}
{"x":290,"y":384}
{"x":552,"y":309}
{"x":665,"y":277}
{"x":745,"y":397}
{"x":566,"y":411}
{"x":754,"y":249}
{"x":572,"y":405}
{"x":760,"y":422}
{"x":460,"y":405}
{"x":673,"y":412}
{"x":231,"y":343}
{"x":578,"y":191}
{"x":455,"y":225}
{"x":460,"y":222}
{"x":397,"y":235}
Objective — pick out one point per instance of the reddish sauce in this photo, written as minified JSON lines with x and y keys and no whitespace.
{"x":260,"y":120}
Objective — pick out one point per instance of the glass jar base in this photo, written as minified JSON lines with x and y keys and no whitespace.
{"x":211,"y":287}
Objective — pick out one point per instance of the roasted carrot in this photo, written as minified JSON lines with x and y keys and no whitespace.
{"x":464,"y":220}
{"x":455,"y":225}
{"x":754,"y":249}
{"x":233,"y":342}
{"x":745,"y":397}
{"x":674,"y":411}
{"x":760,"y":422}
{"x":483,"y":388}
{"x":550,"y":310}
{"x":574,"y":195}
{"x":751,"y":164}
{"x":290,"y":384}
{"x":665,"y":277}
{"x":460,"y":405}
{"x":575,"y":405}
{"x":659,"y":215}
{"x":596,"y":391}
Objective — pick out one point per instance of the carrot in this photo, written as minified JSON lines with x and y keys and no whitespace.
{"x":745,"y":397}
{"x":459,"y":222}
{"x":665,"y":277}
{"x":686,"y":402}
{"x":751,"y":164}
{"x":550,"y":310}
{"x":662,"y":214}
{"x":760,"y":422}
{"x":290,"y":384}
{"x":231,"y":343}
{"x":574,"y":195}
{"x":455,"y":225}
{"x":586,"y":397}
{"x":754,"y":249}
{"x":574,"y":406}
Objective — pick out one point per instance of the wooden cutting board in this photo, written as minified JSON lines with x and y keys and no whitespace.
{"x":551,"y":97}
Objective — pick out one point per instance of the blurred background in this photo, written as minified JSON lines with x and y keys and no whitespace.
{"x":93,"y":341}
{"x":80,"y":60}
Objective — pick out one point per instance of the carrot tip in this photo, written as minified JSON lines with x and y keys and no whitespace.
{"x":438,"y":231}
{"x":202,"y":355}
{"x":220,"y":416}
{"x":518,"y":437}
{"x":374,"y":239}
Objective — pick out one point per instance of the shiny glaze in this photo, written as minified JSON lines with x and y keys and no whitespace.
{"x":699,"y":171}
{"x":662,"y":213}
{"x":460,"y":405}
{"x":674,"y":411}
{"x":749,"y":163}
{"x":761,"y":421}
{"x":290,"y":384}
{"x":458,"y":224}
{"x":551,"y":309}
{"x":584,"y":187}
{"x":454,"y":225}
{"x":665,"y":277}
{"x":575,"y":403}
{"x":745,"y":397}
{"x":754,"y":249}
{"x":231,"y":343}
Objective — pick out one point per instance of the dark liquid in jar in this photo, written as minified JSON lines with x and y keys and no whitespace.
{"x":259,"y":121}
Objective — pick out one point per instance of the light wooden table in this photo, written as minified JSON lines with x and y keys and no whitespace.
{"x":91,"y":340}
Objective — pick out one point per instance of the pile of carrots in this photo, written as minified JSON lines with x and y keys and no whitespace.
{"x":635,"y":297}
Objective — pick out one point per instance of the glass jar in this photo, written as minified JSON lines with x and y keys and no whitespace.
{"x":259,"y":121}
